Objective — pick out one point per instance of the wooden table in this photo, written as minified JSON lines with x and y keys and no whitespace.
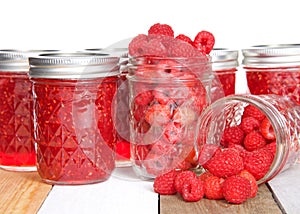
{"x":24,"y":192}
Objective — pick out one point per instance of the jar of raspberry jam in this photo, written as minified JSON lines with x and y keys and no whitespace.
{"x":268,"y":129}
{"x":273,"y":69}
{"x":225,"y":64}
{"x":17,"y":151}
{"x":73,"y":96}
{"x":167,"y":95}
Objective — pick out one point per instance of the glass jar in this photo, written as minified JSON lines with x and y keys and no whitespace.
{"x":273,"y":69}
{"x":167,"y":95}
{"x":73,"y":116}
{"x":122,"y":118}
{"x":17,"y":151}
{"x":281,"y":112}
{"x":225,"y":64}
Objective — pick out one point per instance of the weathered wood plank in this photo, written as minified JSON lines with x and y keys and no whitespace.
{"x":21,"y":192}
{"x":262,"y":203}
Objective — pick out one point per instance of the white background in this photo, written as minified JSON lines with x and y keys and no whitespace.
{"x":64,"y":24}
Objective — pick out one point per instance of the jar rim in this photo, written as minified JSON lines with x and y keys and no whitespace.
{"x":224,"y":58}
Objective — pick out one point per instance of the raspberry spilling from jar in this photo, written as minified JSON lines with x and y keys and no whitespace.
{"x":254,"y":141}
{"x":235,"y":189}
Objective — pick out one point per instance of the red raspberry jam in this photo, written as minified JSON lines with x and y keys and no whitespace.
{"x":273,"y":69}
{"x":17,"y":150}
{"x":122,"y":117}
{"x":167,"y":95}
{"x":224,"y":64}
{"x":73,"y":117}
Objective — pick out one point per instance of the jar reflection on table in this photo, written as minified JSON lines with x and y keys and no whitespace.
{"x":17,"y":150}
{"x":73,"y":116}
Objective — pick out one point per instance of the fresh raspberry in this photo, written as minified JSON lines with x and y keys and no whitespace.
{"x":213,"y":187}
{"x":193,"y":190}
{"x":134,"y":47}
{"x":203,"y":176}
{"x":184,"y":115}
{"x":184,"y":38}
{"x":252,"y":111}
{"x":271,"y":147}
{"x":253,"y":141}
{"x":164,"y":184}
{"x":226,"y":163}
{"x":161,"y":97}
{"x":252,"y":180}
{"x":239,"y":148}
{"x":183,"y":49}
{"x":236,"y":189}
{"x":266,"y":129}
{"x":161,"y":29}
{"x":144,"y":98}
{"x":204,"y":42}
{"x":139,"y":113}
{"x":233,"y":135}
{"x":248,"y":124}
{"x":207,"y":152}
{"x":182,"y":178}
{"x":154,"y":47}
{"x":258,"y":162}
{"x":158,"y":115}
{"x":173,"y":133}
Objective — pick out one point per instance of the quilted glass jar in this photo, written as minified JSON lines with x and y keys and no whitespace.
{"x":281,"y":121}
{"x":17,"y":150}
{"x":273,"y":69}
{"x":167,"y":95}
{"x":73,"y":96}
{"x":225,"y":64}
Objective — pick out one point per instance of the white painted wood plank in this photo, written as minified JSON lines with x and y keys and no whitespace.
{"x":122,"y":193}
{"x":286,"y":188}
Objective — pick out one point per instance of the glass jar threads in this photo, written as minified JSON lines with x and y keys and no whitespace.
{"x":167,"y":95}
{"x":225,"y":64}
{"x":17,"y":151}
{"x":275,"y":128}
{"x":73,"y":116}
{"x":273,"y":69}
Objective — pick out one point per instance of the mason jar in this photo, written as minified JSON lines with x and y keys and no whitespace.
{"x":73,"y":107}
{"x":279,"y":125}
{"x":122,"y":118}
{"x":17,"y":151}
{"x":167,"y":95}
{"x":225,"y":64}
{"x":273,"y":69}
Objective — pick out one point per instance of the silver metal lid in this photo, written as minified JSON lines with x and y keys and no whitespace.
{"x":120,"y":52}
{"x":272,"y":55}
{"x":77,"y":65}
{"x":223,"y":58}
{"x":12,"y":60}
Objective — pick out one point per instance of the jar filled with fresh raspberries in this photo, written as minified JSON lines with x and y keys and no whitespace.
{"x":225,"y":64}
{"x":273,"y":69}
{"x":256,"y":133}
{"x":170,"y":81}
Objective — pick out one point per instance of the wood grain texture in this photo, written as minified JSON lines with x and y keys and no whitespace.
{"x":263,"y":203}
{"x":22,"y":192}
